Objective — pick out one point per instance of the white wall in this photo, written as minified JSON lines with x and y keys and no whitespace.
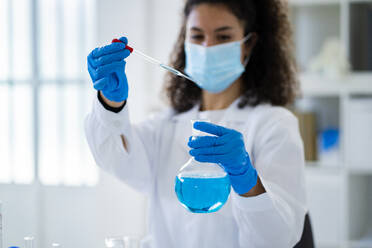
{"x":81,"y":216}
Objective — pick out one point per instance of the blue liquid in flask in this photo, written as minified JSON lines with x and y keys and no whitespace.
{"x":202,"y":195}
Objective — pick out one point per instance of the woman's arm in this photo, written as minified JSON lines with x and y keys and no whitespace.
{"x":122,"y":149}
{"x":256,"y":190}
{"x":274,"y":218}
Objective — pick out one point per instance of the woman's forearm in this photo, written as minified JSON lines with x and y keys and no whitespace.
{"x":256,"y":190}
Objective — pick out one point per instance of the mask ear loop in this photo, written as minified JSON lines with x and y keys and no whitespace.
{"x":245,"y":39}
{"x":245,"y":63}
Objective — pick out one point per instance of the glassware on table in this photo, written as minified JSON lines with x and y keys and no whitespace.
{"x":121,"y":242}
{"x":29,"y":242}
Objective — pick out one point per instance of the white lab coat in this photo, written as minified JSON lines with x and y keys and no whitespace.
{"x":158,"y":148}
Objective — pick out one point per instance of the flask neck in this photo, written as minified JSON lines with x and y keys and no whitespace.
{"x":196,"y":132}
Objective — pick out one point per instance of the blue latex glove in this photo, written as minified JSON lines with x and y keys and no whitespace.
{"x":106,"y":68}
{"x":227,"y":149}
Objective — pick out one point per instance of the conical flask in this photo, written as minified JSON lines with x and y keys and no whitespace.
{"x":202,"y":187}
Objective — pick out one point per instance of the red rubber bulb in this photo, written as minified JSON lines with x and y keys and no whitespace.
{"x":126,"y":46}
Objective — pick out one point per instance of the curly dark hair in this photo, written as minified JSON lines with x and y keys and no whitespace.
{"x":270,"y":75}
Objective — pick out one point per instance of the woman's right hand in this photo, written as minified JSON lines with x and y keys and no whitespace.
{"x":106,"y":68}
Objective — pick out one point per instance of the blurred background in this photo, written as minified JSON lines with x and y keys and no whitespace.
{"x":50,"y":187}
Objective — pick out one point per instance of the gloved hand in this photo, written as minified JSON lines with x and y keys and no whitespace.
{"x":106,"y":68}
{"x":227,"y":149}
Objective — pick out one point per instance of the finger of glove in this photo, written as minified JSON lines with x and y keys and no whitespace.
{"x":92,"y":71}
{"x":106,"y":70}
{"x":107,"y":59}
{"x":124,"y":40}
{"x":228,"y":160}
{"x":90,"y":60}
{"x":108,"y":49}
{"x":203,"y":141}
{"x":211,"y":128}
{"x":215,"y":150}
{"x":211,"y":150}
{"x":218,"y":159}
{"x":207,"y":141}
{"x":100,"y":84}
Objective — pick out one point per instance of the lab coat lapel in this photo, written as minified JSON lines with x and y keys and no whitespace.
{"x":183,"y":127}
{"x":234,"y":117}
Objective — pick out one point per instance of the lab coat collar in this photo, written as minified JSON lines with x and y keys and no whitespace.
{"x":233,"y":117}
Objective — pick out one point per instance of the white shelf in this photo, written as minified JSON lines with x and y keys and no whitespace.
{"x":341,"y":221}
{"x":319,"y":164}
{"x":360,"y":1}
{"x":357,"y":244}
{"x":364,"y":243}
{"x":313,"y":2}
{"x":315,"y":169}
{"x":324,"y":2}
{"x":353,"y":84}
{"x":360,"y":171}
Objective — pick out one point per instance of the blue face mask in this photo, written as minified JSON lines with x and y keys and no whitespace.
{"x":215,"y":68}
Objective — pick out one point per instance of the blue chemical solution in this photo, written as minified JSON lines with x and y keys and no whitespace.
{"x":202,"y":195}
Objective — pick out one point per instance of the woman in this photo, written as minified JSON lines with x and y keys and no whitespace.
{"x":239,"y":55}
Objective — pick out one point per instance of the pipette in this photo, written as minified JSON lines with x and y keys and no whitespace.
{"x":154,"y":61}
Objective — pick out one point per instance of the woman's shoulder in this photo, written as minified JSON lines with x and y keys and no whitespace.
{"x":267,"y":122}
{"x":274,"y":111}
{"x":267,"y":115}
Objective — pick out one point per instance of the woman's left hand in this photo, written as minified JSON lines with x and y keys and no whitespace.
{"x":227,"y":149}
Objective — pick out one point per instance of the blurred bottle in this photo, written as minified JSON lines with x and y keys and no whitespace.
{"x":29,"y":242}
{"x":329,"y":146}
{"x":121,"y":242}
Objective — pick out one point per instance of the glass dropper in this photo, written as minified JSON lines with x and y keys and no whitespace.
{"x":154,"y":61}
